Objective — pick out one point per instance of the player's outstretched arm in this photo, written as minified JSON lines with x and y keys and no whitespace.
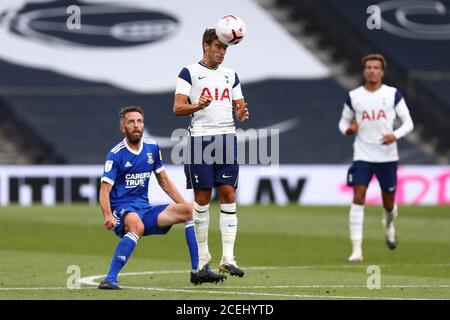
{"x":105,"y":190}
{"x":169,"y":187}
{"x":241,"y":108}
{"x":182,"y":107}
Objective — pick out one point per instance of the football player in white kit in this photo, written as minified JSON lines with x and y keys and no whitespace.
{"x":369,"y":113}
{"x":209,"y":93}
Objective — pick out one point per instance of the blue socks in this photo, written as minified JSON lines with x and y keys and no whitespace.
{"x":128,"y":243}
{"x":192,"y":243}
{"x":123,"y":252}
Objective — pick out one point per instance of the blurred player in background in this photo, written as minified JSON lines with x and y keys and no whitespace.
{"x":208,"y":93}
{"x":369,"y":113}
{"x":124,"y":196}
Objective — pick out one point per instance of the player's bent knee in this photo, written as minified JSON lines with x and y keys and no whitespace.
{"x":134,"y":224}
{"x":186,"y":212}
{"x":202,"y":196}
{"x":173,"y":214}
{"x":202,"y":200}
{"x":189,"y":212}
{"x":227,"y":197}
{"x":137,"y":228}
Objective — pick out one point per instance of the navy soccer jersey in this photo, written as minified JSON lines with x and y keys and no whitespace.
{"x":129,"y":172}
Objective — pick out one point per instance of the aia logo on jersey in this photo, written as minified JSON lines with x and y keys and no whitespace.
{"x":218,"y":95}
{"x":373,"y":115}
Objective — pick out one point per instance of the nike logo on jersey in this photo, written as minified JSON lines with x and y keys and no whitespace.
{"x":200,"y":78}
{"x":226,"y":177}
{"x":128,"y":164}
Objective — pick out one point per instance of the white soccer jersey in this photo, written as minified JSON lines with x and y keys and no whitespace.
{"x":375,"y":113}
{"x":223,"y":85}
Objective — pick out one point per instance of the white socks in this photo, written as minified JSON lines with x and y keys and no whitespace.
{"x":356,"y":221}
{"x":388,"y":223}
{"x":201,"y":224}
{"x":390,"y":216}
{"x":356,"y":226}
{"x":228,"y":228}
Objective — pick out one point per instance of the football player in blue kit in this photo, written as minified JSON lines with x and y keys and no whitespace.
{"x":125,"y":202}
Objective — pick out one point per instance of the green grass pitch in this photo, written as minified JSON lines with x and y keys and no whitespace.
{"x":291,"y":252}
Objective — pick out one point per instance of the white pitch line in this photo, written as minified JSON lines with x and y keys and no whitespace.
{"x":270,"y":294}
{"x":417,"y":286}
{"x":223,"y":292}
{"x":42,"y":288}
{"x":352,"y":265}
{"x":331,"y":286}
{"x":90,"y":281}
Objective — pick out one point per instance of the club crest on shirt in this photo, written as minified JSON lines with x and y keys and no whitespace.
{"x":150,"y":158}
{"x":108,"y":165}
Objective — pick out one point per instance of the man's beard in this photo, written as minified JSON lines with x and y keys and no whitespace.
{"x":133,"y":139}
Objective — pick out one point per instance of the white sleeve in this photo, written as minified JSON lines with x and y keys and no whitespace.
{"x":237,"y":93}
{"x":346,"y":118}
{"x":183,"y":87}
{"x":184,"y":82}
{"x":407,"y":124}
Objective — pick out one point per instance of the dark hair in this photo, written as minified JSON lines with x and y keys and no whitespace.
{"x":125,"y":110}
{"x":374,"y":56}
{"x":209,"y":36}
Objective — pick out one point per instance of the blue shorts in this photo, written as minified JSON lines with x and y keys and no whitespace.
{"x":361,"y":172}
{"x":148,"y":214}
{"x":212,"y":162}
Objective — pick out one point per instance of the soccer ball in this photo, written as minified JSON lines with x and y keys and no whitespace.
{"x":230,"y":30}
